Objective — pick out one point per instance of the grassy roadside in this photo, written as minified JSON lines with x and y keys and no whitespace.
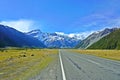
{"x":109,"y":54}
{"x":23,"y":64}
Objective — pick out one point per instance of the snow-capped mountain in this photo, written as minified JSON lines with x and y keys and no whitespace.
{"x":80,"y":36}
{"x":57,"y":39}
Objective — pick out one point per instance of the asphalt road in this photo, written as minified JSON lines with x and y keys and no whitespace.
{"x":51,"y":72}
{"x":75,"y":66}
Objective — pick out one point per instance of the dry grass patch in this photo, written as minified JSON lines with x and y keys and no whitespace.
{"x":110,"y":54}
{"x":23,"y":64}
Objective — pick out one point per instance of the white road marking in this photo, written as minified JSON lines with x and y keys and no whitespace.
{"x":62,"y":68}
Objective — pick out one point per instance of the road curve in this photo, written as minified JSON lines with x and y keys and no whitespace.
{"x":86,"y":67}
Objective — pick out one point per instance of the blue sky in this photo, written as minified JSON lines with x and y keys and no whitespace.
{"x":68,"y":16}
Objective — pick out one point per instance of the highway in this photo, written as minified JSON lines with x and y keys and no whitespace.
{"x":76,"y":66}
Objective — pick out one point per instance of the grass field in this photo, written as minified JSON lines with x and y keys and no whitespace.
{"x":23,"y":64}
{"x":110,"y":54}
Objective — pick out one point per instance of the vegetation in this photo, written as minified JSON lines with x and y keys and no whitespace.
{"x":111,"y":41}
{"x":110,"y":54}
{"x":21,"y":64}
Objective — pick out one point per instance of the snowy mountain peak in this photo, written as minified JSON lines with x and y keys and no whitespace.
{"x":57,"y":39}
{"x":79,"y":36}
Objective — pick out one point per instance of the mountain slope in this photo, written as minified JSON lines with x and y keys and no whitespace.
{"x":94,"y":37}
{"x":111,"y":41}
{"x":14,"y":38}
{"x":54,"y":40}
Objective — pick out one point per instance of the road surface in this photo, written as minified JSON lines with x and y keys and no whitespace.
{"x":75,"y":66}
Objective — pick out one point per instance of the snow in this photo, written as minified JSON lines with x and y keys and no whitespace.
{"x":57,"y":39}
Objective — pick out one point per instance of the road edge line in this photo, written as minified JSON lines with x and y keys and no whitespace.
{"x":62,"y":68}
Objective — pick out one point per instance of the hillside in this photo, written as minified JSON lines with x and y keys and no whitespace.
{"x":13,"y":38}
{"x":111,"y":41}
{"x":94,"y":37}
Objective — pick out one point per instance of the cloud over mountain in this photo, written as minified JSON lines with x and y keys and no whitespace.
{"x":22,"y":25}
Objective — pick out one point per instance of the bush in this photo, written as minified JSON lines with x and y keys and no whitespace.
{"x":32,"y":54}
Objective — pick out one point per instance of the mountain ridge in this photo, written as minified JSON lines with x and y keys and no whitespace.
{"x":94,"y":37}
{"x":54,"y":39}
{"x":111,"y":41}
{"x":13,"y":38}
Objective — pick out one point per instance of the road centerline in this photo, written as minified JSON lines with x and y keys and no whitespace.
{"x":62,"y":68}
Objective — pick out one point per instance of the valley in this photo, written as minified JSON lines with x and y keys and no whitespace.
{"x":51,"y":56}
{"x":60,"y":40}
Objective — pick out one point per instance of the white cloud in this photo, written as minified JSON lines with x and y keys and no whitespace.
{"x":100,"y":21}
{"x":21,"y":25}
{"x":81,"y":35}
